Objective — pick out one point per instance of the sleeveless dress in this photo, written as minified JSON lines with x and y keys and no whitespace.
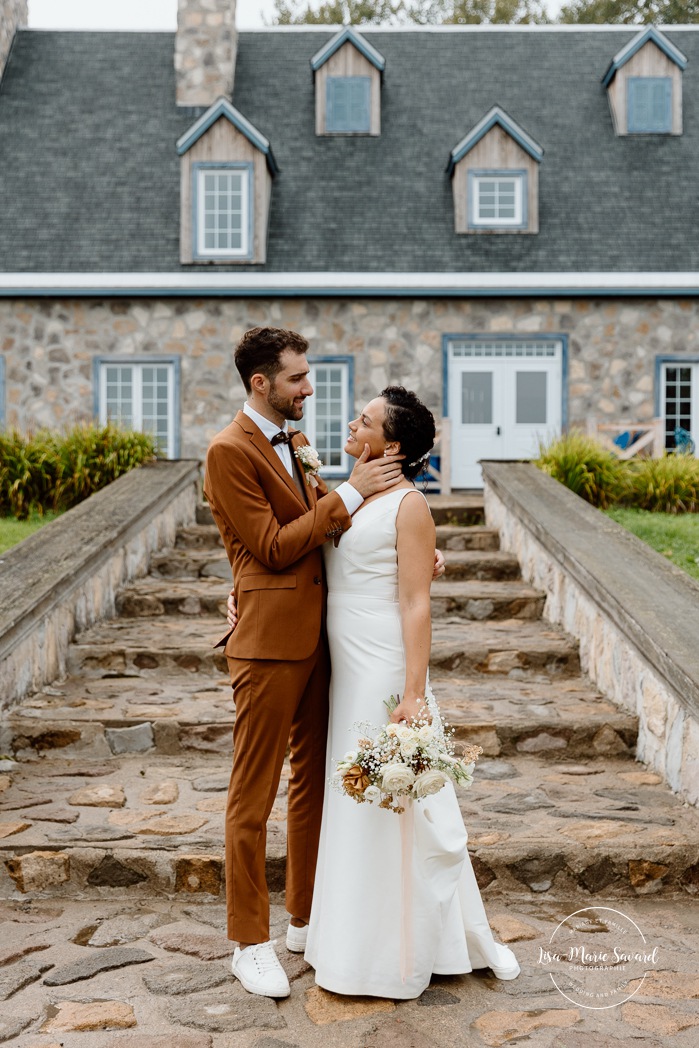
{"x":395,"y":898}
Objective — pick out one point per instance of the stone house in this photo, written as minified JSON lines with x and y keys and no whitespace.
{"x":502,"y":218}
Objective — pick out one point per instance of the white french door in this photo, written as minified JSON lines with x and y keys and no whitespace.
{"x":504,"y":397}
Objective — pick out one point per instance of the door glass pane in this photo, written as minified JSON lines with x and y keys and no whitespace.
{"x":477,"y":398}
{"x":531,"y":397}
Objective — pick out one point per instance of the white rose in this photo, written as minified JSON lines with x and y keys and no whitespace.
{"x":429,"y":782}
{"x":426,"y":733}
{"x":408,"y":748}
{"x":404,"y":732}
{"x":372,"y":793}
{"x":397,"y":777}
{"x":392,"y":729}
{"x":350,"y":757}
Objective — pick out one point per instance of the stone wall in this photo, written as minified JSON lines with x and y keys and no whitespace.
{"x":49,"y":346}
{"x":205,"y":46}
{"x":632,"y":612}
{"x":65,"y":577}
{"x":13,"y":16}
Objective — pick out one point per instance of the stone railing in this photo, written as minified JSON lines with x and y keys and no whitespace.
{"x":634,"y":613}
{"x":65,"y":577}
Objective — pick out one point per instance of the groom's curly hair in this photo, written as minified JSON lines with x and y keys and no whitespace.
{"x":412,"y":424}
{"x":259,"y":350}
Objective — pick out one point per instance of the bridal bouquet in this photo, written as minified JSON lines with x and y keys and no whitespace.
{"x":403,"y":760}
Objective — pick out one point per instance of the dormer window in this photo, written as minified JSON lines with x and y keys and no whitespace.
{"x":649,"y":105}
{"x":495,"y":178}
{"x":348,"y":100}
{"x":348,"y":73}
{"x":498,"y":199}
{"x":644,"y":86}
{"x":222,"y":195}
{"x":226,"y":173}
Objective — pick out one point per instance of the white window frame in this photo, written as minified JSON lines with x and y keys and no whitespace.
{"x":310,"y":411}
{"x":678,"y":362}
{"x":519,"y":221}
{"x":199,"y":172}
{"x":171,"y":448}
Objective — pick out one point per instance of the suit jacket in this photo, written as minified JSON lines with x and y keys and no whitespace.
{"x":273,"y":539}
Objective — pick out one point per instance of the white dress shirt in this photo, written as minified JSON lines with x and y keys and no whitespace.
{"x":349,"y":495}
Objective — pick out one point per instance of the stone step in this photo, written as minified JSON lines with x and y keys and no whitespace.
{"x":515,"y":648}
{"x":183,"y":645}
{"x":199,"y":536}
{"x":562,"y":719}
{"x":455,"y":598}
{"x":475,"y":537}
{"x":155,"y":825}
{"x":204,"y":515}
{"x":187,"y":563}
{"x":460,"y":509}
{"x":150,"y":597}
{"x":473,"y":599}
{"x":108,"y":717}
{"x":464,"y":509}
{"x":491,"y":565}
{"x":151,"y":824}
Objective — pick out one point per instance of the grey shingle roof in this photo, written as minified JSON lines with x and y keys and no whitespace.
{"x":89,"y":174}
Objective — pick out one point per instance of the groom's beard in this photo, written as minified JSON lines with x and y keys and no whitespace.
{"x":286,"y":406}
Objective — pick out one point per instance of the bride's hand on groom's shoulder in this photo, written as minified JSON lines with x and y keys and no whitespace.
{"x":371,"y":476}
{"x":410,"y":709}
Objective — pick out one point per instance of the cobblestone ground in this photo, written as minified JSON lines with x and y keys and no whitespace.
{"x":111,"y":827}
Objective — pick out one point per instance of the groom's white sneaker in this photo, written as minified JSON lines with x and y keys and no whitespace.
{"x":296,"y":938}
{"x":259,"y":970}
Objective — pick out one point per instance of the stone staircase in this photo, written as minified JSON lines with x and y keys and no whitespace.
{"x":120,"y":771}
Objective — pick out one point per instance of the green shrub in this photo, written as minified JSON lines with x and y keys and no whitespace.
{"x":50,"y":471}
{"x":584,"y":466}
{"x":665,"y":485}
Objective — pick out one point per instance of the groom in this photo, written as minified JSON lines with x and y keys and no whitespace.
{"x":273,"y":522}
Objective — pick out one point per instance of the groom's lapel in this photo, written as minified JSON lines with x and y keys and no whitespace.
{"x":263,"y":445}
{"x":297,"y":441}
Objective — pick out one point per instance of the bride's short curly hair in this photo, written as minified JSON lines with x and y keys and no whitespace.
{"x":411,"y":423}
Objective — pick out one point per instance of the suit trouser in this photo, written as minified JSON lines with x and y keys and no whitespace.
{"x":276,"y":704}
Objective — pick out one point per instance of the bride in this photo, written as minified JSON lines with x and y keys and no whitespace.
{"x":395,"y":898}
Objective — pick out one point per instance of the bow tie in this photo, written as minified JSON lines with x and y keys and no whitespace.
{"x":281,"y":438}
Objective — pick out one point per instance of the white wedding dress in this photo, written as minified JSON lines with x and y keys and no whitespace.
{"x":395,"y":897}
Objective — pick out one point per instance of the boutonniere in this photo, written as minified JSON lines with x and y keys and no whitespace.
{"x":311,"y":463}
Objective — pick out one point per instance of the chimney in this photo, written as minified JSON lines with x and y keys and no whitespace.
{"x":13,"y":15}
{"x":205,"y":47}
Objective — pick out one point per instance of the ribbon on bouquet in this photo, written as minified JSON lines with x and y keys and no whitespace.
{"x":407,"y":945}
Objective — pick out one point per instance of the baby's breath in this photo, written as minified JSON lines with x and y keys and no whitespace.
{"x":412,"y":759}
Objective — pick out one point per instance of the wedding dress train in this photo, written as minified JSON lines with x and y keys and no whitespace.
{"x":395,"y":898}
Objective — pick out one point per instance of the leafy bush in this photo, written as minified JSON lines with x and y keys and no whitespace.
{"x":665,"y":485}
{"x":50,"y":471}
{"x":584,"y":466}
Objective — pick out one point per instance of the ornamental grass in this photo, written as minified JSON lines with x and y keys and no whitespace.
{"x":666,"y":485}
{"x":584,"y":466}
{"x":50,"y":471}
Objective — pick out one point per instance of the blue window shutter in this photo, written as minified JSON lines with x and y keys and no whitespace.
{"x":347,"y":103}
{"x":649,"y":104}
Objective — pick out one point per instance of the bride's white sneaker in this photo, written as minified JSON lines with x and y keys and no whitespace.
{"x":296,"y":938}
{"x":259,"y":970}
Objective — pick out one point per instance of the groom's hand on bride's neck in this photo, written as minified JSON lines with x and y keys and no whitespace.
{"x":370,"y":476}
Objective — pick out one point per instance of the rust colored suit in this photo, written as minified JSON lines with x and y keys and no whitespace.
{"x":278,"y":662}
